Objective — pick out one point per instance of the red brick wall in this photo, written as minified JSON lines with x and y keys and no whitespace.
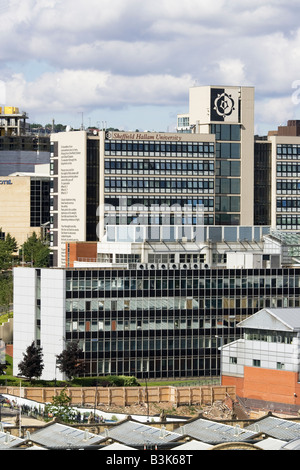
{"x":237,"y":382}
{"x":9,"y":350}
{"x":265,"y":384}
{"x":80,"y":250}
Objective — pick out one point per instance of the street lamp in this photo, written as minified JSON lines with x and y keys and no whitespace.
{"x":220,"y":348}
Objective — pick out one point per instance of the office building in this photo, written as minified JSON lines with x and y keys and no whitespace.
{"x":277,"y":170}
{"x":227,"y":113}
{"x":122,"y":179}
{"x":25,"y":203}
{"x":126,"y":178}
{"x":152,"y":309}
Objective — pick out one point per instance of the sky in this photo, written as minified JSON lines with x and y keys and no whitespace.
{"x":129,"y":64}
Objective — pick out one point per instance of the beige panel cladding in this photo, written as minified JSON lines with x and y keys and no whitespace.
{"x":15,"y":207}
{"x":157,"y":136}
{"x":247,"y":155}
{"x":202,"y":113}
{"x":71,"y":195}
{"x":199,"y":106}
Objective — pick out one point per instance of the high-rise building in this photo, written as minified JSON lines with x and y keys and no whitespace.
{"x":197,"y":178}
{"x":122,"y":179}
{"x":227,"y":113}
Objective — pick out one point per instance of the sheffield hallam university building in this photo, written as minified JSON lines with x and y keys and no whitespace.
{"x":170,"y":247}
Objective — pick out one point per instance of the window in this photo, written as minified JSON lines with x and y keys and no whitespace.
{"x":256,"y":362}
{"x":226,"y":131}
{"x":233,"y":360}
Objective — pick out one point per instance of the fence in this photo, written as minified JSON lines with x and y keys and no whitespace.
{"x":127,"y":396}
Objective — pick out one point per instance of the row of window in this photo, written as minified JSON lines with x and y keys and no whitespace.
{"x":148,"y":148}
{"x":39,"y":203}
{"x":228,"y":185}
{"x":228,"y":168}
{"x":188,"y":282}
{"x":288,"y":151}
{"x":167,"y":167}
{"x":288,"y":204}
{"x":228,"y":150}
{"x":288,"y":169}
{"x":173,"y":304}
{"x":257,"y":363}
{"x":269,"y":336}
{"x":156,"y":203}
{"x":158,"y":367}
{"x":161,"y":185}
{"x":288,"y":186}
{"x":183,"y":121}
{"x":288,"y":222}
{"x":158,"y":324}
{"x":158,"y":344}
{"x":155,"y":220}
{"x":226,"y":131}
{"x":170,"y":258}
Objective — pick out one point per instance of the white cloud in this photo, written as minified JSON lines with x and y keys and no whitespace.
{"x":232,"y":71}
{"x":89,"y":89}
{"x":116,"y":53}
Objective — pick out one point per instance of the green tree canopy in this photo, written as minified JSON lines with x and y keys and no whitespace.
{"x":60,"y":408}
{"x":35,"y":251}
{"x":8,"y":246}
{"x":69,"y":361}
{"x":32,"y":364}
{"x":6,"y":290}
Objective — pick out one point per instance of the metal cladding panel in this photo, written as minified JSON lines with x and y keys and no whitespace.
{"x":58,"y":435}
{"x":277,"y":428}
{"x":213,"y":432}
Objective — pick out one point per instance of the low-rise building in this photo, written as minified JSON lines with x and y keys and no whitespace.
{"x":264,"y":364}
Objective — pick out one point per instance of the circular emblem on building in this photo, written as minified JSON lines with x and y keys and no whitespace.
{"x":224,"y":105}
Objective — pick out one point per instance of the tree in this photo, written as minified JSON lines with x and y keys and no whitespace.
{"x":6,"y":291}
{"x":8,"y":246}
{"x":3,"y":367}
{"x":32,"y":364}
{"x":36,"y":251}
{"x":60,"y":408}
{"x":69,"y":361}
{"x":11,"y":243}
